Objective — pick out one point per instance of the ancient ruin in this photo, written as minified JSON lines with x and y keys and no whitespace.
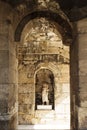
{"x":43,"y":64}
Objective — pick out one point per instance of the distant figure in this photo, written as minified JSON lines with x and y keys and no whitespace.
{"x":45,"y":89}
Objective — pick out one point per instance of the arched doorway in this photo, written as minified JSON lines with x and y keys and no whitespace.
{"x":42,"y":47}
{"x":44,"y":89}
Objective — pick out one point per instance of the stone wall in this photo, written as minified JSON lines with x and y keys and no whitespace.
{"x":78,"y":76}
{"x":8,"y":71}
{"x":61,"y":112}
{"x":82,"y":64}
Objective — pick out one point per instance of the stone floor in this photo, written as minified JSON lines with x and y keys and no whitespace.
{"x":40,"y":127}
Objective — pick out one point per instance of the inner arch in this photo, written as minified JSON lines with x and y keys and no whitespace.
{"x":55,"y":17}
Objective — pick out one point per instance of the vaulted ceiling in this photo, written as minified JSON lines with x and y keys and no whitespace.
{"x":74,"y":9}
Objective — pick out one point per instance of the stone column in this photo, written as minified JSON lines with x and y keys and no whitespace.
{"x":79,"y":77}
{"x":82,"y":68}
{"x":74,"y":81}
{"x":8,"y":71}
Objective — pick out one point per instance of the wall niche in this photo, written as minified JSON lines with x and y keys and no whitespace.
{"x":44,"y":89}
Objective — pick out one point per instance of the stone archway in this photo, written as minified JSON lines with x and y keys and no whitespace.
{"x":35,"y":51}
{"x":44,"y":77}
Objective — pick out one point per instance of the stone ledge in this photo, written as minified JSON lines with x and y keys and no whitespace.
{"x":44,"y":107}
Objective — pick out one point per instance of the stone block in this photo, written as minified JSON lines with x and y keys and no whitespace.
{"x":4,"y":58}
{"x":26,"y":87}
{"x":82,"y":53}
{"x":82,"y":118}
{"x":26,"y":109}
{"x":23,"y":75}
{"x":62,"y":98}
{"x":13,"y":97}
{"x":8,"y":96}
{"x":82,"y":67}
{"x":4,"y":92}
{"x":27,"y":119}
{"x":66,"y":87}
{"x":12,"y":48}
{"x":82,"y":23}
{"x":67,"y":110}
{"x":4,"y":28}
{"x":3,"y":105}
{"x":44,"y":113}
{"x":13,"y":61}
{"x":4,"y":42}
{"x":82,"y":79}
{"x":58,"y":88}
{"x":12,"y":76}
{"x":82,"y":98}
{"x":26,"y":98}
{"x":82,"y":85}
{"x":4,"y":75}
{"x":60,"y":108}
{"x":46,"y":121}
{"x":8,"y":72}
{"x":10,"y":123}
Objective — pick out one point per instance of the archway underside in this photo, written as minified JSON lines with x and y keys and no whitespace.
{"x":64,"y":26}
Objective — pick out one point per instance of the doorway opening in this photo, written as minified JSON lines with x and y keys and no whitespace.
{"x":44,"y":89}
{"x":43,"y":63}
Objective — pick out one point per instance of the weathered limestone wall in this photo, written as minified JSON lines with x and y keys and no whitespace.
{"x":8,"y":71}
{"x":41,"y":47}
{"x":78,"y":76}
{"x":82,"y":65}
{"x":60,"y":116}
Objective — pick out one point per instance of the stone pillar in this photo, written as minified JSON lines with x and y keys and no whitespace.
{"x":82,"y":64}
{"x":79,"y":77}
{"x":74,"y":81}
{"x":8,"y":72}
